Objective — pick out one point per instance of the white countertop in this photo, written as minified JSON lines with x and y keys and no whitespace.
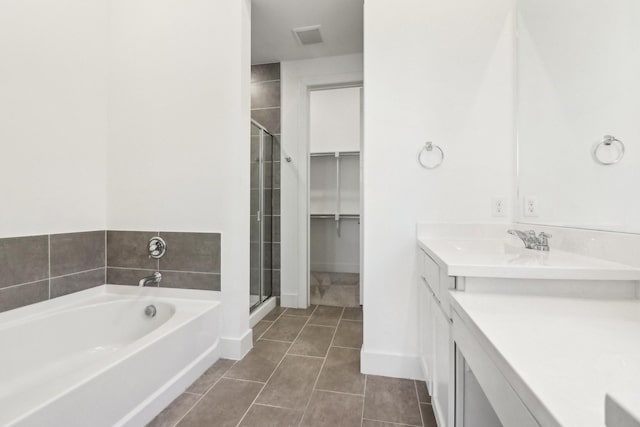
{"x":507,"y":258}
{"x":561,"y":355}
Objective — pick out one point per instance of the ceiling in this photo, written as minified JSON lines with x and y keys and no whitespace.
{"x":273,"y":20}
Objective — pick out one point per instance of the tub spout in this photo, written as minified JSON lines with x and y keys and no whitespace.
{"x":154,"y":278}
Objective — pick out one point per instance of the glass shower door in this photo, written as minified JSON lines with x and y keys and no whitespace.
{"x":261,"y":214}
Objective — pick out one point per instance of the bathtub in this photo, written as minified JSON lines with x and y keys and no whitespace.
{"x":94,"y":358}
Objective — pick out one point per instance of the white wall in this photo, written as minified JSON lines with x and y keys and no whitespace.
{"x":334,"y":120}
{"x":297,"y":77}
{"x":440,"y":71}
{"x":179,"y":130}
{"x":53,"y":101}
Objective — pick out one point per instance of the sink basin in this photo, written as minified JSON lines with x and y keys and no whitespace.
{"x":510,"y":259}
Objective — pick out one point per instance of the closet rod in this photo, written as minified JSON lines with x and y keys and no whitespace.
{"x":332,"y":154}
{"x":324,"y":216}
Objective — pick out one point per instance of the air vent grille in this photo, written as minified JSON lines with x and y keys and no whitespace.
{"x":308,"y":35}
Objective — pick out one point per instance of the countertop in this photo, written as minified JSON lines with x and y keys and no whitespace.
{"x":561,"y":355}
{"x":507,"y":258}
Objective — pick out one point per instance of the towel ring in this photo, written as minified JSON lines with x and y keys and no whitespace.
{"x":428,"y":148}
{"x":607,"y":141}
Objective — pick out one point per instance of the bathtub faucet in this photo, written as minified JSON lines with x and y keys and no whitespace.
{"x":154,"y":278}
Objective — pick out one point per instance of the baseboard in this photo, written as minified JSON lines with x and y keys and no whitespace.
{"x":236,"y":348}
{"x":391,"y":365}
{"x":289,"y":300}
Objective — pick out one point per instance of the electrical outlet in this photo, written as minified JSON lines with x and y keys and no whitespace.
{"x":498,"y":207}
{"x":530,"y":206}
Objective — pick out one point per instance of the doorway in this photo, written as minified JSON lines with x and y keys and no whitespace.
{"x":335,"y":140}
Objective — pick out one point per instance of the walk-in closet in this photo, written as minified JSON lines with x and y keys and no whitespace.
{"x":335,"y":203}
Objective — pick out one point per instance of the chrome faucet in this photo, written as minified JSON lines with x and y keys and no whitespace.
{"x":531,"y":241}
{"x":154,"y":278}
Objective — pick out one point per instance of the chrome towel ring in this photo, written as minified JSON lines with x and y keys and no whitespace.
{"x":607,"y":141}
{"x":429,"y":149}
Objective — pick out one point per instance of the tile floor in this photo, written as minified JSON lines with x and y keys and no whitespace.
{"x":304,"y":370}
{"x":335,"y":289}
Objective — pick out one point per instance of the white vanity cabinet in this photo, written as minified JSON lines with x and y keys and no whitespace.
{"x":436,"y":345}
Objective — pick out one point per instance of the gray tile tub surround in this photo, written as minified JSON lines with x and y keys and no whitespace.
{"x":192,"y":260}
{"x":36,"y":268}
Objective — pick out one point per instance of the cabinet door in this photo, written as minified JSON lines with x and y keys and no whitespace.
{"x":443,"y":364}
{"x":426,"y":326}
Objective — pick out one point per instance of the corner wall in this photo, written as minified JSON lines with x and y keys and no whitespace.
{"x":179,"y":132}
{"x":441,"y":72}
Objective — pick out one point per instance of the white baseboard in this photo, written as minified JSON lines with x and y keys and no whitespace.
{"x":236,"y":348}
{"x":289,"y":300}
{"x":391,"y":365}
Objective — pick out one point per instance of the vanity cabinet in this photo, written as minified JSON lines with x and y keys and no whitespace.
{"x":436,"y":345}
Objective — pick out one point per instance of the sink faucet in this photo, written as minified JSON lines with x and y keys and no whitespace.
{"x":531,"y":241}
{"x":154,"y":278}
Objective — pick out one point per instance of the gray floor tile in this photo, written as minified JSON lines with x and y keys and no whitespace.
{"x":274,"y":314}
{"x":423,"y":393}
{"x":260,"y":362}
{"x":301,"y":311}
{"x":325,"y":315}
{"x":270,"y":416}
{"x":260,"y":328}
{"x":333,"y":409}
{"x":352,"y":313}
{"x":428,"y":417}
{"x":341,"y":372}
{"x":210,"y":376}
{"x":391,"y":399}
{"x":349,"y":334}
{"x":313,"y":341}
{"x":170,"y":416}
{"x":286,"y":328}
{"x":372,"y":423}
{"x":224,"y":405}
{"x":292,"y":383}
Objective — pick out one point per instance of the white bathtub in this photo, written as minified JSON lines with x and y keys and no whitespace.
{"x":95,"y":359}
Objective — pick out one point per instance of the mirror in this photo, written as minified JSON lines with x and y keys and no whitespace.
{"x":578,"y":81}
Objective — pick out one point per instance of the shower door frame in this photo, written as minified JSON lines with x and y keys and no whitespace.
{"x":261,"y":213}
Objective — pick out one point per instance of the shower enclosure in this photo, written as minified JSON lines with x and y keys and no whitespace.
{"x":262,"y":184}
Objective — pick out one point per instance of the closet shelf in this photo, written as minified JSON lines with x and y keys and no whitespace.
{"x":332,"y":216}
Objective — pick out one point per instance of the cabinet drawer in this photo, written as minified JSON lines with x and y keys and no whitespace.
{"x":431,"y":273}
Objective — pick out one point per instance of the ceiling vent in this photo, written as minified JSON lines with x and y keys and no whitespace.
{"x":308,"y":35}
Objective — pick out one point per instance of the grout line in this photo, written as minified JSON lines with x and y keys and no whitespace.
{"x":168,"y":271}
{"x":242,"y":379}
{"x":77,"y":272}
{"x":324,"y":361}
{"x":339,"y":392}
{"x":275,"y":369}
{"x":49,"y":254}
{"x":106,"y":252}
{"x":348,"y":348}
{"x":364,"y":400}
{"x":392,"y":423}
{"x":202,"y":395}
{"x":25,"y":283}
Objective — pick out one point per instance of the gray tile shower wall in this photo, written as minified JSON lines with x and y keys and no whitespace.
{"x":192,"y":260}
{"x":265,"y":108}
{"x":36,"y":268}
